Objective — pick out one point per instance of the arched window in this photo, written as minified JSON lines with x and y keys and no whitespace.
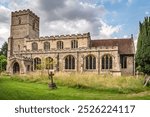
{"x":33,"y":25}
{"x":74,"y":44}
{"x":37,"y":64}
{"x":90,"y":62}
{"x":107,"y":62}
{"x":19,"y":20}
{"x":46,"y":46}
{"x":69,"y":62}
{"x":34,"y":46}
{"x":49,"y":63}
{"x":123,"y":61}
{"x":16,"y":68}
{"x":60,"y":45}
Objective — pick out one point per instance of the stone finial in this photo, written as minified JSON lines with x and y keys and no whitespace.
{"x":131,"y":36}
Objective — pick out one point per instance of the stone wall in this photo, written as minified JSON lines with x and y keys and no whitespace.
{"x":83,"y":41}
{"x":25,"y":31}
{"x":79,"y":55}
{"x":130,"y":66}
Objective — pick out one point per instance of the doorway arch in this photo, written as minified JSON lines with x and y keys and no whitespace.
{"x":16,"y":68}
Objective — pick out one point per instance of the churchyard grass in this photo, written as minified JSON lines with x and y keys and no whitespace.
{"x":72,"y":86}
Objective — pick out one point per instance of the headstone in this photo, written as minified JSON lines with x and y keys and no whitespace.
{"x":51,"y":84}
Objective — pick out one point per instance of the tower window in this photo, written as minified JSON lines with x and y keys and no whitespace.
{"x":123,"y":61}
{"x":90,"y":62}
{"x":34,"y":25}
{"x":69,"y":62}
{"x":106,"y":62}
{"x":60,"y":45}
{"x":46,"y":46}
{"x":19,"y":20}
{"x":34,"y":46}
{"x":74,"y":44}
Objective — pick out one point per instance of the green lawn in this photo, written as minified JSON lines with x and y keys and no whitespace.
{"x":12,"y":89}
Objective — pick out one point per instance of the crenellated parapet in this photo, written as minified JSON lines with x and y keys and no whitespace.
{"x":72,"y":36}
{"x":24,"y":12}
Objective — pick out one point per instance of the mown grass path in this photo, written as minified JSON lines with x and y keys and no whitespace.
{"x":11,"y":89}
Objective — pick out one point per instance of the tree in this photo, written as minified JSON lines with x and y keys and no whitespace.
{"x":3,"y":57}
{"x":3,"y":50}
{"x":3,"y":62}
{"x":46,"y":64}
{"x":143,"y":47}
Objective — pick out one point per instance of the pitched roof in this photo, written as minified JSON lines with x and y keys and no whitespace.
{"x":125,"y":46}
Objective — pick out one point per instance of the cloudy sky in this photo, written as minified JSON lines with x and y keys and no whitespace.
{"x":102,"y":18}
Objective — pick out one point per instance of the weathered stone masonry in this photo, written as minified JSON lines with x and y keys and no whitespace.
{"x":68,"y":53}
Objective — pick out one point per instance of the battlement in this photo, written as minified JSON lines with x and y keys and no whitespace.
{"x":84,"y":35}
{"x":24,"y":12}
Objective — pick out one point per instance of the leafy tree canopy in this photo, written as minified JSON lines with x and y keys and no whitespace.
{"x":3,"y":57}
{"x":143,"y":47}
{"x":3,"y":62}
{"x":3,"y":50}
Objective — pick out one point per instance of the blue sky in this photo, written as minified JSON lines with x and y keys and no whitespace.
{"x":102,"y":18}
{"x":127,"y":14}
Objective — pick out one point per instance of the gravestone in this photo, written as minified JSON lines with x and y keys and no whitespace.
{"x":51,"y":84}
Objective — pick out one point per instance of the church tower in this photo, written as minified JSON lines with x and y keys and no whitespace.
{"x":24,"y":24}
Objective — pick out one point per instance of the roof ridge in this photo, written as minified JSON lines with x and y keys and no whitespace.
{"x":113,"y":39}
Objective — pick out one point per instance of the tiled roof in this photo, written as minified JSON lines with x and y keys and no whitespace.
{"x":125,"y":46}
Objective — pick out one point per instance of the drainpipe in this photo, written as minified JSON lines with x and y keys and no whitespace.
{"x":98,"y":62}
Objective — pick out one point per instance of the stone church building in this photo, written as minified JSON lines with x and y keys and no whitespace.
{"x":64,"y":53}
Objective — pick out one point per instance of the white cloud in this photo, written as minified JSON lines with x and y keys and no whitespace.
{"x":85,"y":5}
{"x":4,"y":14}
{"x":4,"y":32}
{"x":146,"y":13}
{"x":111,"y":1}
{"x":67,"y":27}
{"x":60,"y":17}
{"x":106,"y":31}
{"x":129,"y":2}
{"x":125,"y":36}
{"x":4,"y":24}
